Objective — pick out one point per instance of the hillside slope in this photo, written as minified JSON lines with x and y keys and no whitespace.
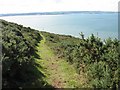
{"x":19,"y":55}
{"x":34,"y":59}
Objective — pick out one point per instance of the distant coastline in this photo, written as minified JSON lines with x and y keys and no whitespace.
{"x":55,"y":13}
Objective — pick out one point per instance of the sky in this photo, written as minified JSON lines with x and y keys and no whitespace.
{"x":25,"y":6}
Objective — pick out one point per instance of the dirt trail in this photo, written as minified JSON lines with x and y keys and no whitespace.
{"x":60,"y":74}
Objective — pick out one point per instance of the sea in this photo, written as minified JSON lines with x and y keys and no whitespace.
{"x":103,"y":25}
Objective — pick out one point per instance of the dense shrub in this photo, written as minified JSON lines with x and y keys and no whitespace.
{"x":18,"y":56}
{"x":99,"y":59}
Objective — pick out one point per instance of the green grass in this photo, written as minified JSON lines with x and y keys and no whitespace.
{"x":59,"y":73}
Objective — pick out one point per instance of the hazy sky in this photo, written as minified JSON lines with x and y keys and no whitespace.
{"x":18,"y":6}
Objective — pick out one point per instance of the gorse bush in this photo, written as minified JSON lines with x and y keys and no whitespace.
{"x":103,"y":58}
{"x":98,"y":59}
{"x":18,"y":56}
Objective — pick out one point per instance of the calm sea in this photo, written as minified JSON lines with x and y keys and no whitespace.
{"x":103,"y":25}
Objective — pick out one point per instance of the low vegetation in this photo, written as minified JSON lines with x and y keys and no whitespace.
{"x":96,"y":61}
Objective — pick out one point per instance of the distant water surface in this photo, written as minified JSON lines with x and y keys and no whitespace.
{"x":103,"y":25}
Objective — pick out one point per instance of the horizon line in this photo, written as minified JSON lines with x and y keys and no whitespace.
{"x":58,"y":11}
{"x":55,"y":13}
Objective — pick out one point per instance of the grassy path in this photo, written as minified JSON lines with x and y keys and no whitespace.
{"x":59,"y":73}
